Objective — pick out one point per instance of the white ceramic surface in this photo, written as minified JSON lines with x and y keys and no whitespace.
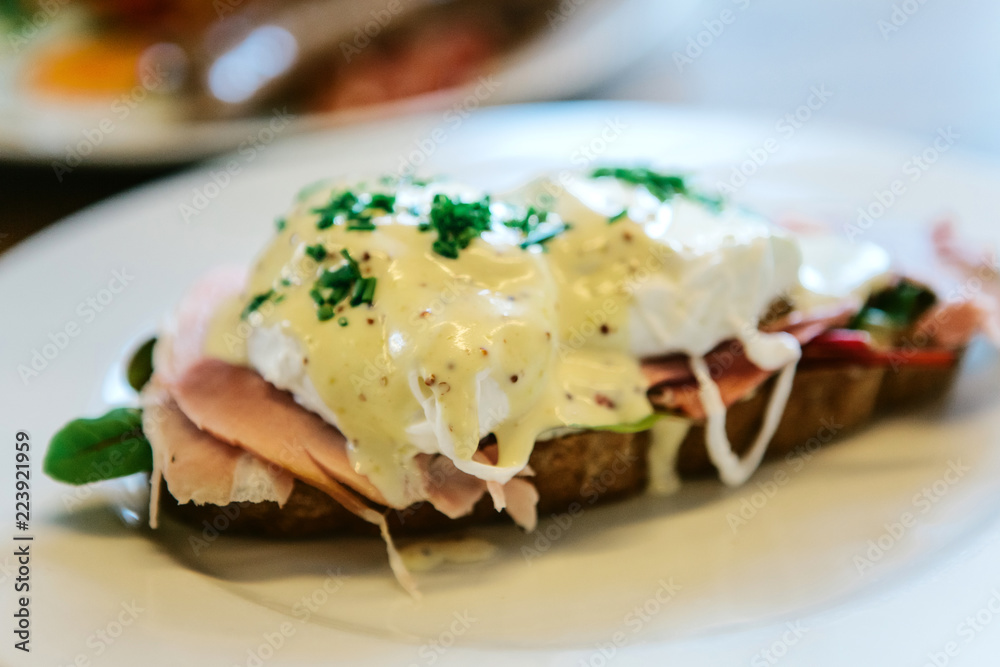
{"x":669,"y":581}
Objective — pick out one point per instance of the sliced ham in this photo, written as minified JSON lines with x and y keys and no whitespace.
{"x":673,"y":385}
{"x":521,"y":502}
{"x":451,"y":491}
{"x":240,"y":407}
{"x":201,"y":469}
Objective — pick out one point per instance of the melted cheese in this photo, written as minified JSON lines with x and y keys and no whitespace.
{"x":508,"y":341}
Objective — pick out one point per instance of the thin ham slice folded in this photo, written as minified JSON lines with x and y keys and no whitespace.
{"x":674,"y":387}
{"x":238,"y":406}
{"x":200,"y":468}
{"x":451,"y":491}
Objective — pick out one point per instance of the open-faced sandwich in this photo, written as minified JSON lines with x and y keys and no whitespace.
{"x":415,"y":356}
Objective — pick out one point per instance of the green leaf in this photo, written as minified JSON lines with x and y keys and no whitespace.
{"x":140,"y":368}
{"x":635,"y":427}
{"x":91,"y":450}
{"x":895,"y":309}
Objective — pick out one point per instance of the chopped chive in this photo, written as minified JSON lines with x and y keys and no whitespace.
{"x":355,"y":269}
{"x":542,"y":236}
{"x":360,"y":224}
{"x":660,"y":185}
{"x":332,"y":287}
{"x":383,"y":202}
{"x":354,"y":209}
{"x":280,"y":224}
{"x":457,"y":223}
{"x":618,"y":216}
{"x":342,"y":321}
{"x":364,"y":291}
{"x":317,"y":252}
{"x":256,"y":302}
{"x":369,"y":294}
{"x":358,"y":292}
{"x":531,"y":220}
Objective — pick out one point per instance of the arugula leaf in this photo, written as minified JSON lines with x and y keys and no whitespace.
{"x":140,"y":367}
{"x":896,"y":308}
{"x":635,"y":427}
{"x":91,"y":450}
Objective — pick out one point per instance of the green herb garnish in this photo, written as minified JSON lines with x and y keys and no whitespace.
{"x":662,"y":186}
{"x":140,"y":367}
{"x":356,"y":210}
{"x":317,"y":252}
{"x":364,"y":291}
{"x":342,"y":321}
{"x":91,"y":450}
{"x":618,"y":216}
{"x":530,"y":222}
{"x":256,"y":303}
{"x":457,"y":223}
{"x":280,"y":224}
{"x":542,"y":236}
{"x":340,"y":205}
{"x":332,"y":287}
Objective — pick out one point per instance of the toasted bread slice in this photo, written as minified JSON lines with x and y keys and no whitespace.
{"x":587,"y":468}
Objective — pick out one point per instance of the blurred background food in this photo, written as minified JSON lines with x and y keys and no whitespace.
{"x":239,"y":57}
{"x":99,"y":95}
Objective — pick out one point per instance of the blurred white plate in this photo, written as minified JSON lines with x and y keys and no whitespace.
{"x":590,"y":42}
{"x":665,"y":580}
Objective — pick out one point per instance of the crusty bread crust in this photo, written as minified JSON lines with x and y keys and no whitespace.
{"x":827,"y":401}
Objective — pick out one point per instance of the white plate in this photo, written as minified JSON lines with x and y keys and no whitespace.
{"x":599,"y":583}
{"x":587,"y":43}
